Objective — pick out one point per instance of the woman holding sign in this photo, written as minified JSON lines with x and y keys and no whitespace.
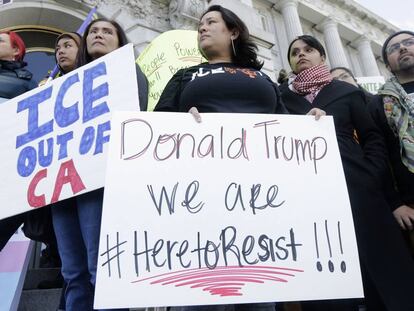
{"x":78,"y":227}
{"x":231,"y":81}
{"x":387,"y":268}
{"x":67,"y":218}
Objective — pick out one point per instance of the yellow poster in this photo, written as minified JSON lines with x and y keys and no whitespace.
{"x":164,"y":56}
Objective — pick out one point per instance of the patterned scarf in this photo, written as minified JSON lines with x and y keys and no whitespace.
{"x":310,"y":81}
{"x":399,"y":110}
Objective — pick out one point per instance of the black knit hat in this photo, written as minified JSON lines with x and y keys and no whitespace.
{"x":384,"y":46}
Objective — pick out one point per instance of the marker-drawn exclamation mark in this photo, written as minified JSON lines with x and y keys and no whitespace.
{"x":343,"y":264}
{"x":318,"y":263}
{"x":330,"y":263}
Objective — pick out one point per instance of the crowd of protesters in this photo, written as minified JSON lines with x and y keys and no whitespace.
{"x":375,"y":134}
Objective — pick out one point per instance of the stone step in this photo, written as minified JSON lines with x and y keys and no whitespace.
{"x":39,"y":299}
{"x":36,"y":276}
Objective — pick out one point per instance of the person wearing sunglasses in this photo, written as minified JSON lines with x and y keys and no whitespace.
{"x":393,"y":111}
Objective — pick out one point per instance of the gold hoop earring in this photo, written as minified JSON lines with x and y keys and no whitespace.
{"x":232,"y":46}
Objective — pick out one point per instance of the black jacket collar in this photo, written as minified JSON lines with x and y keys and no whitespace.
{"x":16,"y":67}
{"x":331,"y":92}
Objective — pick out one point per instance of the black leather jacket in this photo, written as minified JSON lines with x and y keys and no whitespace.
{"x":14,"y":79}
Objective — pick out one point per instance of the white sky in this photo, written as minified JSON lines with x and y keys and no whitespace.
{"x":397,"y":12}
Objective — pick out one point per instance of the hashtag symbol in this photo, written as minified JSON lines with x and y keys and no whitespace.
{"x":112,"y":253}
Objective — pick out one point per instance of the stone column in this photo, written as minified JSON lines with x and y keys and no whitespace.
{"x":185,"y":14}
{"x":289,"y":9}
{"x":247,"y":2}
{"x":367,"y":57}
{"x":333,"y":43}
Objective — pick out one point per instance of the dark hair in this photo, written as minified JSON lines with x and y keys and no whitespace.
{"x":309,"y":40}
{"x":347,"y":70}
{"x":83,"y":55}
{"x":246,"y":50}
{"x":384,"y":46}
{"x":283,"y":76}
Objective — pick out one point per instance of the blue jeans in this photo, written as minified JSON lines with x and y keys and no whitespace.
{"x":268,"y":306}
{"x":77,"y":223}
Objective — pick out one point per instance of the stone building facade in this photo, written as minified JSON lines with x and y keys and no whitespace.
{"x":352,"y":35}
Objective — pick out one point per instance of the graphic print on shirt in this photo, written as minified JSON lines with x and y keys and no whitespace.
{"x":202,"y":72}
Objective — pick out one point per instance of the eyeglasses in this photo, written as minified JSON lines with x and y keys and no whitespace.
{"x":396,"y":46}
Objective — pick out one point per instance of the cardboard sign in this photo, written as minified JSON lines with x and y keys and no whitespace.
{"x":239,"y":208}
{"x":53,"y":138}
{"x":164,"y":56}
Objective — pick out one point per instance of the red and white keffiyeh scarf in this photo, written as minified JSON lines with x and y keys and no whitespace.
{"x":310,"y":81}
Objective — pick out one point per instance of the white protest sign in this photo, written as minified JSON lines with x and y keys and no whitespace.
{"x":371,"y":84}
{"x":239,"y":208}
{"x":53,"y":138}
